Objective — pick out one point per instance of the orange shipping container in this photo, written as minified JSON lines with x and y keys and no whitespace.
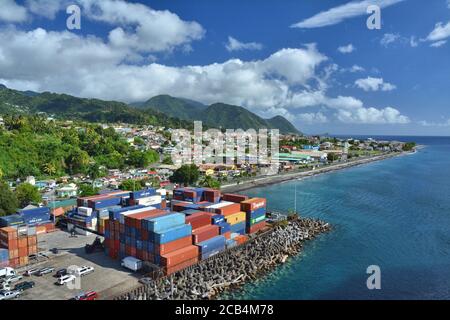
{"x":32,"y":249}
{"x":176,"y":257}
{"x":241,"y":239}
{"x":228,"y":210}
{"x":23,"y":242}
{"x":23,"y":252}
{"x":8,"y":233}
{"x":253,"y":204}
{"x":181,"y":266}
{"x":173,"y":245}
{"x":23,"y":261}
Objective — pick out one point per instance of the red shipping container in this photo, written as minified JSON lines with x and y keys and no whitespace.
{"x":241,"y":239}
{"x":176,"y":257}
{"x":237,"y":198}
{"x":180,"y":206}
{"x":22,"y":242}
{"x":227,"y":210}
{"x":173,"y":245}
{"x":116,"y":244}
{"x":198,"y":219}
{"x":178,"y":197}
{"x":204,"y":233}
{"x":253,"y":204}
{"x":256,"y":227}
{"x":8,"y":233}
{"x":227,"y":235}
{"x":133,"y":251}
{"x":14,"y":262}
{"x":120,"y":229}
{"x":181,"y":266}
{"x":139,"y":254}
{"x":23,"y":252}
{"x":127,"y":250}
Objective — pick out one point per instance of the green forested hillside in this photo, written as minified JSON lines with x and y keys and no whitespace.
{"x":31,"y":145}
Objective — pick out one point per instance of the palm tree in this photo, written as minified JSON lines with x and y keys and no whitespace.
{"x":49,"y":169}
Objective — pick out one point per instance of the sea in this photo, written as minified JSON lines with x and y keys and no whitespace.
{"x":393,"y":214}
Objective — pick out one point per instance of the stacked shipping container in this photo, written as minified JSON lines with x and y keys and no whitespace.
{"x":19,"y":243}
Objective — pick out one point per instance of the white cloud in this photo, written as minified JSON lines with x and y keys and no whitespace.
{"x":413,"y":42}
{"x":353,"y":69}
{"x":46,"y":8}
{"x":439,"y":33}
{"x":10,"y":11}
{"x":312,"y":118}
{"x":435,"y":124}
{"x":389,"y":38}
{"x":438,"y":44}
{"x":373,"y":116}
{"x":87,"y":66}
{"x":347,"y":49}
{"x":235,"y":45}
{"x":340,"y":13}
{"x":374,"y":84}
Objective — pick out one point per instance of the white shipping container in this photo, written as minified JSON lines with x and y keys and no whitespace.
{"x":126,"y":213}
{"x":132,"y":263}
{"x":148,"y":201}
{"x":162,"y":192}
{"x":84,"y":211}
{"x":220,"y":205}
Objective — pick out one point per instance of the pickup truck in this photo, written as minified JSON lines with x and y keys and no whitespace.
{"x":7,"y":295}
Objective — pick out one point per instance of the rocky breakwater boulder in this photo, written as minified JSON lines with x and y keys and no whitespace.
{"x":234,"y":267}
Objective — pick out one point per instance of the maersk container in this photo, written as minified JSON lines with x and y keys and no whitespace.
{"x":142,"y":193}
{"x":165,"y":222}
{"x":11,"y":221}
{"x":172,"y":234}
{"x":212,"y":244}
{"x":238,"y":228}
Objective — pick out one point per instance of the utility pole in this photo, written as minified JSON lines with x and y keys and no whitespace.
{"x":295,"y":198}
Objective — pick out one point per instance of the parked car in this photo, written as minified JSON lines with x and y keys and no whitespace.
{"x":24,"y":285}
{"x":7,"y":295}
{"x":66,"y":279}
{"x":45,"y":271}
{"x":84,"y":270}
{"x":61,"y":272}
{"x":13,"y":279}
{"x":90,"y":295}
{"x":30,"y":272}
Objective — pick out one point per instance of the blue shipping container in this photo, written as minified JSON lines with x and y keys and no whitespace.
{"x":142,"y":193}
{"x":238,"y":228}
{"x":165,"y":222}
{"x":256,"y":214}
{"x":231,"y":243}
{"x":224,"y":227}
{"x":209,"y":254}
{"x":4,"y":255}
{"x":217,"y":219}
{"x":212,"y":244}
{"x":12,"y":220}
{"x":172,"y":234}
{"x":34,"y":211}
{"x":36,"y":219}
{"x":104,"y":203}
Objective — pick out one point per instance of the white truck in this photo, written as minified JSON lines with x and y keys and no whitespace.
{"x":7,"y":272}
{"x":132,"y":263}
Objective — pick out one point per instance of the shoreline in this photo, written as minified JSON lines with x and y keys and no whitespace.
{"x":285,"y":177}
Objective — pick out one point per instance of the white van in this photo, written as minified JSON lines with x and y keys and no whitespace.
{"x":7,"y":272}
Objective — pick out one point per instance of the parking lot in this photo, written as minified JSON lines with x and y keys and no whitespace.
{"x":108,"y":279}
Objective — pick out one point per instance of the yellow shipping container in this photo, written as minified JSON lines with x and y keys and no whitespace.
{"x":235,"y":218}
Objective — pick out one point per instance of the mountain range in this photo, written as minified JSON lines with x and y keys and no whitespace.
{"x":161,"y":110}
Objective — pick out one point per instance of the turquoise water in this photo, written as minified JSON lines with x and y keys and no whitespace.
{"x":394,"y":214}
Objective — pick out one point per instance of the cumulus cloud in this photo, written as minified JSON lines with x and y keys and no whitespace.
{"x":46,"y":8}
{"x":435,"y":124}
{"x":340,"y":13}
{"x":235,"y":45}
{"x":347,"y":49}
{"x":87,"y":66}
{"x":374,"y":84}
{"x":10,"y":11}
{"x":312,"y":118}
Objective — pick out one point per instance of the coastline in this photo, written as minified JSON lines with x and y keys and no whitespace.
{"x":284,"y":177}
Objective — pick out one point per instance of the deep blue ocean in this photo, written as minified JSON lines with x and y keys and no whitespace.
{"x":394,"y":214}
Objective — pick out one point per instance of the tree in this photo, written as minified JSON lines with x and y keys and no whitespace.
{"x":187,"y":174}
{"x":77,"y":161}
{"x":332,"y":157}
{"x":8,"y":200}
{"x":26,"y":194}
{"x":210,"y":182}
{"x":167,"y":160}
{"x":49,"y":169}
{"x":132,"y":185}
{"x":87,"y":190}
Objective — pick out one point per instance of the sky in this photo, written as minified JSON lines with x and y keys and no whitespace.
{"x":315,"y":62}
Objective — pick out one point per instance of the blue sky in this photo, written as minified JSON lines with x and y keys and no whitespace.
{"x":328,"y":73}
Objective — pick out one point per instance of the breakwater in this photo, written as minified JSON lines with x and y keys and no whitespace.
{"x":232,"y":268}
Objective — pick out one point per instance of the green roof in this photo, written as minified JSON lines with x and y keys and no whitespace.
{"x":63,"y":203}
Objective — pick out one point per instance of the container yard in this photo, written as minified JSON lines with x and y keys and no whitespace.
{"x":141,"y":232}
